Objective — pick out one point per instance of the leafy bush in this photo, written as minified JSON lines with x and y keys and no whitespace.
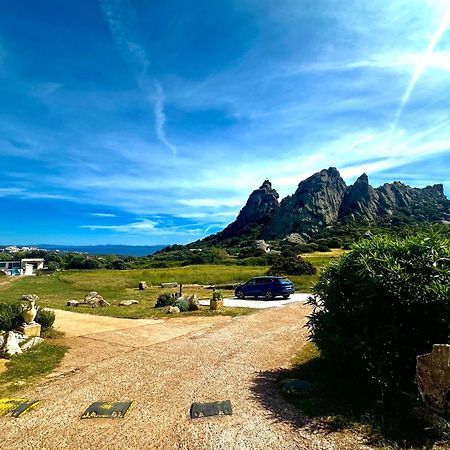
{"x":182,"y":304}
{"x":291,"y":266}
{"x":379,"y":306}
{"x":45,"y":318}
{"x":165,"y":299}
{"x":10,"y":316}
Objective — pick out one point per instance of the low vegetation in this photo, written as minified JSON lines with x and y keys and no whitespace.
{"x":10,"y":315}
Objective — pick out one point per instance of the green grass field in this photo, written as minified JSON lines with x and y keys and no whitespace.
{"x":116,"y":285}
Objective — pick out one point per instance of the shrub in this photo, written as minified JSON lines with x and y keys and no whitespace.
{"x":165,"y":299}
{"x":291,"y":266}
{"x":10,"y":316}
{"x":45,"y":318}
{"x":379,"y":306}
{"x":182,"y":304}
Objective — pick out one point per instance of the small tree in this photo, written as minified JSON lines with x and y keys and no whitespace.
{"x":378,"y":307}
{"x":292,"y":265}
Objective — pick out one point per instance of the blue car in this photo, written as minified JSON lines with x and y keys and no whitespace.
{"x":267,"y":287}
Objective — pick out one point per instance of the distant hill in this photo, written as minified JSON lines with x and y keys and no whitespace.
{"x":122,"y":250}
{"x":324,"y":201}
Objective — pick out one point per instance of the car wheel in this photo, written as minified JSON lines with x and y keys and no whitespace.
{"x":268,"y":295}
{"x":286,"y":296}
{"x":239,"y":294}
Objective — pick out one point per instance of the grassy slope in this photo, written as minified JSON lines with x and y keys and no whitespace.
{"x":54,"y":291}
{"x":26,"y":368}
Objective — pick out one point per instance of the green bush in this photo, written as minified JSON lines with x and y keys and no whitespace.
{"x":45,"y":318}
{"x":10,"y":316}
{"x":165,"y":299}
{"x":182,"y":304}
{"x":379,"y":306}
{"x":291,"y":266}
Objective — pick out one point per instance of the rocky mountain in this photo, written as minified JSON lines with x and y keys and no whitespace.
{"x":324,"y":200}
{"x":314,"y":204}
{"x":261,"y":207}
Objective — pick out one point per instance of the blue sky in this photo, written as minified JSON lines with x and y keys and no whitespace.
{"x":147,"y":122}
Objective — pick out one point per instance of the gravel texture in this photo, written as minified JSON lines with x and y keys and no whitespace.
{"x":235,"y":359}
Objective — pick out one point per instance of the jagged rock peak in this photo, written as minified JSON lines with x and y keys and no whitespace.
{"x":267,"y":186}
{"x":261,"y":206}
{"x":363,"y":179}
{"x":314,"y":204}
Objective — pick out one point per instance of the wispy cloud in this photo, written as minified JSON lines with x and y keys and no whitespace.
{"x":160,"y":119}
{"x":211,"y":202}
{"x":26,"y":194}
{"x":146,"y":227}
{"x":103,"y":215}
{"x":142,"y":226}
{"x":116,"y":14}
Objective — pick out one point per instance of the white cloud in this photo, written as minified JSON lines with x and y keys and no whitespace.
{"x":210,"y":202}
{"x":145,"y":227}
{"x":142,"y":225}
{"x":160,"y":119}
{"x":116,"y":14}
{"x":103,"y":215}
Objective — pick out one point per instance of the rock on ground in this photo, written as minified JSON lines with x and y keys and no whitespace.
{"x":94,"y":299}
{"x":433,"y":379}
{"x":11,"y":344}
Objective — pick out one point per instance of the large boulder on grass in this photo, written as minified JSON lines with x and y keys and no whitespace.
{"x":142,"y":285}
{"x":95,"y":300}
{"x":10,"y":345}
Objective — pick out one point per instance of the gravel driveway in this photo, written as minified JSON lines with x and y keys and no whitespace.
{"x":232,"y":359}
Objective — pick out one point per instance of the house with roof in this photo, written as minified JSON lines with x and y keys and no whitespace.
{"x":26,"y":266}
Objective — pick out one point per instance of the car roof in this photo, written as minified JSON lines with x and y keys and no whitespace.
{"x":267,"y":276}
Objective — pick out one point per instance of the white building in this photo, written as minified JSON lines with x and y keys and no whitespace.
{"x":26,"y":266}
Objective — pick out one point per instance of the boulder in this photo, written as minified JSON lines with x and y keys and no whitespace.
{"x":294,"y":238}
{"x":29,"y":298}
{"x":11,"y":344}
{"x":128,"y":302}
{"x":262,"y":245}
{"x":32,"y":342}
{"x":94,"y":299}
{"x":172,"y":284}
{"x":173,"y":310}
{"x":433,"y":379}
{"x":142,"y":285}
{"x":73,"y":303}
{"x":193,"y":302}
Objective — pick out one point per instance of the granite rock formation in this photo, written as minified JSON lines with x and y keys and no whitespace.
{"x":261,"y":207}
{"x":324,"y":200}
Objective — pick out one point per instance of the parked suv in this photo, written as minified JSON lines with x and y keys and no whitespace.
{"x":267,"y":287}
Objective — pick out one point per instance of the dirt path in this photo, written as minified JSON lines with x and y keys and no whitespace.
{"x":231,"y":359}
